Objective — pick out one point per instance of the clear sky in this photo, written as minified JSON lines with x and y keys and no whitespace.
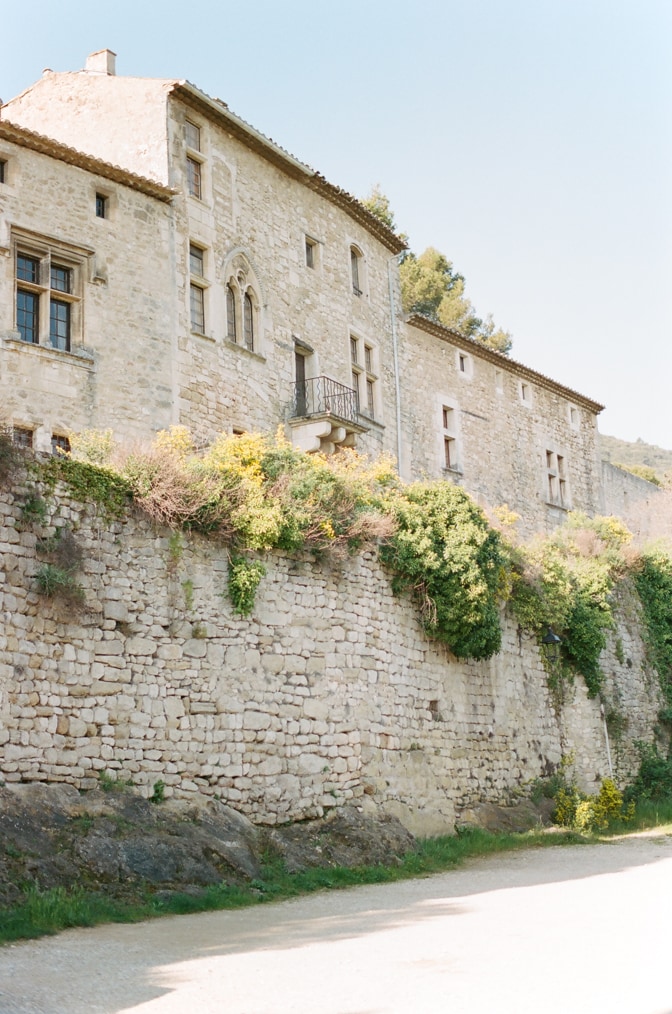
{"x":528,"y":140}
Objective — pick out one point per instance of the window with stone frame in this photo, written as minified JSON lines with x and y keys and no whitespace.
{"x":557,"y":481}
{"x":22,"y":437}
{"x":243,"y":305}
{"x":357,"y":270}
{"x":59,"y":444}
{"x":197,"y":288}
{"x":364,"y":372}
{"x":231,"y":314}
{"x":48,"y":284}
{"x":194,"y":162}
{"x":449,"y":425}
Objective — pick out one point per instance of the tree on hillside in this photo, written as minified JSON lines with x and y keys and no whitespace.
{"x":430,"y":286}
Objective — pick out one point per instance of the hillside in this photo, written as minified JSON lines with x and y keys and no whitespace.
{"x":623,"y":452}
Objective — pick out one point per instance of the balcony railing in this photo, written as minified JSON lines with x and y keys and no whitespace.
{"x":322,"y":395}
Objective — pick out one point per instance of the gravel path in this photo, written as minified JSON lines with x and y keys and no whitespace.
{"x":571,"y":929}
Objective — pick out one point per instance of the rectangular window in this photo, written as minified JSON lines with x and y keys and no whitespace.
{"x":28,"y":269}
{"x":364,"y":379}
{"x":310,"y":253}
{"x":3,"y":171}
{"x":450,"y":444}
{"x":353,"y":351}
{"x":101,"y":206}
{"x":196,"y":261}
{"x":28,"y":316}
{"x":61,"y":278}
{"x":22,"y":437}
{"x":557,"y":485}
{"x":193,"y":178}
{"x":47,"y":299}
{"x":59,"y":325}
{"x":59,"y":444}
{"x":355,"y":258}
{"x":197,"y":308}
{"x":192,"y":135}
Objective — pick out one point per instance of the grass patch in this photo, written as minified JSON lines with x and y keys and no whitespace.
{"x":45,"y":912}
{"x":49,"y":911}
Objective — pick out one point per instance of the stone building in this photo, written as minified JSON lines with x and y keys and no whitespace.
{"x":78,"y":236}
{"x":239,"y":290}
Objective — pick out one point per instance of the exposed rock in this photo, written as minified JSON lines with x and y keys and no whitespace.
{"x":523,"y":816}
{"x":118,"y":842}
{"x":346,"y":837}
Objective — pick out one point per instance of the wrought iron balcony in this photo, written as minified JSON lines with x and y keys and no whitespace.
{"x":324,"y":396}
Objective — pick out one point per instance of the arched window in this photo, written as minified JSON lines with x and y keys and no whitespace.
{"x":248,"y":322}
{"x":230,"y":314}
{"x":356,"y":270}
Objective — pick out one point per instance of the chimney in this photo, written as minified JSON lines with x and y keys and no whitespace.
{"x":102,"y":62}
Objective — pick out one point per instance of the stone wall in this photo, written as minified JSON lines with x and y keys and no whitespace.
{"x":329,"y":693}
{"x":644,"y":507}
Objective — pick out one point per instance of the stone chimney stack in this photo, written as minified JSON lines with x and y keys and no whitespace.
{"x":102,"y":62}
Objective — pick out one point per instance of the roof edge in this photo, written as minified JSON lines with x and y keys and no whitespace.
{"x":501,"y":359}
{"x":278,"y":156}
{"x":17,"y":134}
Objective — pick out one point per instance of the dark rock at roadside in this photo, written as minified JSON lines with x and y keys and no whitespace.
{"x":120,"y":843}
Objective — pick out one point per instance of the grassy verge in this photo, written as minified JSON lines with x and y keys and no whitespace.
{"x":44,"y":912}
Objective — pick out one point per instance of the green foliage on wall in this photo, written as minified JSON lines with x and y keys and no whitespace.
{"x":653,"y":579}
{"x":253,"y":494}
{"x":566,"y":581}
{"x":244,"y":578}
{"x":445,"y":554}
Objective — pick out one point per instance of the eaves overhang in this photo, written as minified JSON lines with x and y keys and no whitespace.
{"x":502,"y":360}
{"x":25,"y":138}
{"x":219,"y":112}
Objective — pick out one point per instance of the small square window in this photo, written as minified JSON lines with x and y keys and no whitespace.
{"x":194,"y":183}
{"x":101,"y":206}
{"x":59,"y":444}
{"x":28,"y":269}
{"x":196,"y":261}
{"x":192,"y":135}
{"x":22,"y":437}
{"x":61,"y":278}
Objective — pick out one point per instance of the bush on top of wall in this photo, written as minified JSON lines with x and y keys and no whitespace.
{"x":254,"y":493}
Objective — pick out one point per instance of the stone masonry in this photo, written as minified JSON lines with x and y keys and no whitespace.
{"x":328,"y":694}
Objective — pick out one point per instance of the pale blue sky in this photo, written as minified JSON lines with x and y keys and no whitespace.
{"x":528,"y":140}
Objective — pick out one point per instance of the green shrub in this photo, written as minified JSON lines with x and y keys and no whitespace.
{"x":55,"y":582}
{"x":653,"y":580}
{"x":244,"y":578}
{"x":451,"y":562}
{"x":654,"y":776}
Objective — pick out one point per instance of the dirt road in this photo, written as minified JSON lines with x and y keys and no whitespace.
{"x":580,"y":929}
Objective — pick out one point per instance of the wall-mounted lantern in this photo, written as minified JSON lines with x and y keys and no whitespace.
{"x":550,"y":644}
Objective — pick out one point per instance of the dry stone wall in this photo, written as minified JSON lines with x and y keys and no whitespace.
{"x":328,"y":694}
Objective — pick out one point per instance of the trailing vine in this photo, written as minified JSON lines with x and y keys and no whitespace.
{"x":253,"y":494}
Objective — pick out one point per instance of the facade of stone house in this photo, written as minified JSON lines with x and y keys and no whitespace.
{"x":279,"y":276}
{"x":84,"y":342}
{"x":269,"y":297}
{"x":506,"y":433}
